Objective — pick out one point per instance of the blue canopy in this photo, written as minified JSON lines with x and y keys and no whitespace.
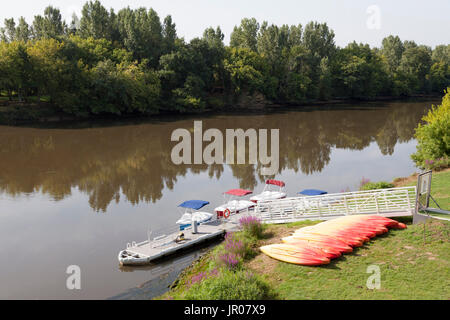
{"x":194,"y":204}
{"x":312,"y":192}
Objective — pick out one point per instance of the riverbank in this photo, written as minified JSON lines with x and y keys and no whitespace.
{"x":22,"y":113}
{"x":410,"y":268}
{"x":414,"y":263}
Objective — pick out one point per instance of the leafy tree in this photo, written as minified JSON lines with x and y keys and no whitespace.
{"x":433,"y":137}
{"x":95,"y":21}
{"x":123,"y":88}
{"x":245,"y":36}
{"x":441,"y":54}
{"x":15,"y":68}
{"x":361,"y":72}
{"x":74,"y":25}
{"x":214,"y":39}
{"x":91,"y":51}
{"x":408,"y":44}
{"x":23,"y":32}
{"x":169,"y":34}
{"x":146,"y":64}
{"x":49,"y":66}
{"x":38,"y":27}
{"x":50,"y":25}
{"x":141,"y":33}
{"x":439,"y":76}
{"x":392,"y":48}
{"x":188,"y":74}
{"x":270,"y":39}
{"x":54,"y":24}
{"x":245,"y":70}
{"x":9,"y":31}
{"x":298,"y":82}
{"x":414,"y":68}
{"x":319,"y":40}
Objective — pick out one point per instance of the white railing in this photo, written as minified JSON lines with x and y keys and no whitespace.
{"x":381,"y":201}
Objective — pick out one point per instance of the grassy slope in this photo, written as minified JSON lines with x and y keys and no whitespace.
{"x":409,"y":268}
{"x":440,"y":188}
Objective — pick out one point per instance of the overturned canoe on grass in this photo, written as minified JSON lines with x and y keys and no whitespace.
{"x":313,"y":245}
{"x":303,"y":255}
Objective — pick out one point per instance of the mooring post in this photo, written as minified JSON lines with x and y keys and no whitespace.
{"x":194,"y":227}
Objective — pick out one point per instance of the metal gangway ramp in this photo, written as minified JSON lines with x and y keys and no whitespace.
{"x":394,"y":202}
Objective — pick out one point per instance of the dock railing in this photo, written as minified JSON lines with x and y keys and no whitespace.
{"x":381,"y":201}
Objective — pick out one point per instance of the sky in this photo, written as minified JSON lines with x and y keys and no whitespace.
{"x":366,"y":21}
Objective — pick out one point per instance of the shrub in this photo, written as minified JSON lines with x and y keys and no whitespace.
{"x":199,"y":277}
{"x":231,"y":261}
{"x":235,"y":245}
{"x":229,"y":285}
{"x":252,"y":226}
{"x":363,"y":182}
{"x":376,"y":185}
{"x":235,"y":248}
{"x":438,"y":164}
{"x":434,"y":136}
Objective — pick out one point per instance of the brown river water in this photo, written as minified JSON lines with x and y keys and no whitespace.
{"x":75,"y":195}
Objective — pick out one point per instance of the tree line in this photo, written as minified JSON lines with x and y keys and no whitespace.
{"x":134,"y":62}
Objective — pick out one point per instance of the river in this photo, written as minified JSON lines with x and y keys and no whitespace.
{"x":75,"y":195}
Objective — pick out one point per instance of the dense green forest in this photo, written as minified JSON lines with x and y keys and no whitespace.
{"x":132,"y":62}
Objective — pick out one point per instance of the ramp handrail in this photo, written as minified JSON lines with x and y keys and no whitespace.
{"x":378,"y":201}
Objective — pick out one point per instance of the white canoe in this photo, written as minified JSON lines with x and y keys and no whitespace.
{"x":268,"y":195}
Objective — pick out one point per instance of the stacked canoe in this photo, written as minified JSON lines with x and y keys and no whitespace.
{"x":318,"y":244}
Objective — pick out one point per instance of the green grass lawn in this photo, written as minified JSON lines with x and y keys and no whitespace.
{"x":409,"y":269}
{"x":414,"y":263}
{"x":440,"y":190}
{"x":440,"y":186}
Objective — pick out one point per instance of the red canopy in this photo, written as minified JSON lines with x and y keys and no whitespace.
{"x":276,"y":183}
{"x":238,"y":192}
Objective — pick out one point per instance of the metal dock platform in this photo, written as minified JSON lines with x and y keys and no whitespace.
{"x":165,"y":245}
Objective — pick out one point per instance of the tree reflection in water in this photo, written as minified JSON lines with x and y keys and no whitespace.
{"x":133,"y":160}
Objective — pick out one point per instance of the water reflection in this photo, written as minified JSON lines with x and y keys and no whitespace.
{"x":133,"y":160}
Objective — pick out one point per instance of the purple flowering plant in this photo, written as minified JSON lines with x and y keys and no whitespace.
{"x":199,"y":277}
{"x":230,"y":260}
{"x":252,"y":225}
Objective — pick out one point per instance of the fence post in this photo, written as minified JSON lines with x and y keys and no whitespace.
{"x":409,"y":203}
{"x":269,"y":209}
{"x":376,"y":202}
{"x":318,"y":207}
{"x":346,"y":205}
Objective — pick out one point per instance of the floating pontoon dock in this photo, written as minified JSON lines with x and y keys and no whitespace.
{"x":165,"y":245}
